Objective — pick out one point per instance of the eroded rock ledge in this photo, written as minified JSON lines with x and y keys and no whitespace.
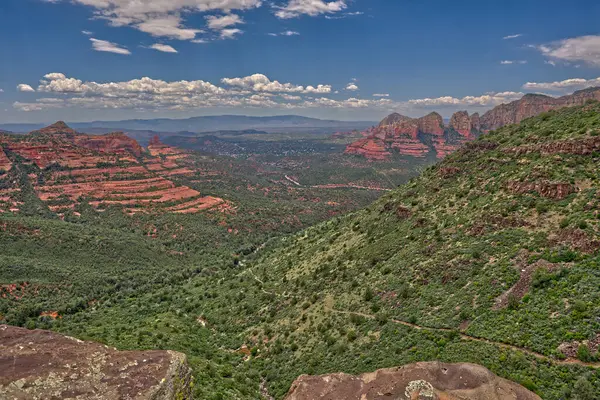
{"x":424,"y":380}
{"x":38,"y":364}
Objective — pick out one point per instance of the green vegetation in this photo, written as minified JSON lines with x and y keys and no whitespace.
{"x":442,"y":251}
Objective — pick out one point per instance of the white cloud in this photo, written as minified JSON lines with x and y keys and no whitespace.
{"x":200,"y":41}
{"x":153,"y":94}
{"x":261,"y":83}
{"x":550,"y":62}
{"x":219,"y":22}
{"x":161,"y":18}
{"x":567,"y":84}
{"x":508,"y":62}
{"x":104,"y":45}
{"x":579,"y":49}
{"x":352,"y":86}
{"x":230,"y":33}
{"x":285,"y":33}
{"x":88,"y":33}
{"x":168,"y":26}
{"x":490,"y":99}
{"x":296,"y":8}
{"x":23,"y":87}
{"x":512,"y":36}
{"x":381,"y":95}
{"x":1,"y":90}
{"x":165,"y":48}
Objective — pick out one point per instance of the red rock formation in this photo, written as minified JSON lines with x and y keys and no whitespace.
{"x":432,"y":123}
{"x":116,"y":142}
{"x":401,"y":134}
{"x":475,"y":122}
{"x":139,"y":184}
{"x":461,"y":123}
{"x":533,"y":104}
{"x":5,"y":163}
{"x":372,"y":148}
{"x":58,"y":128}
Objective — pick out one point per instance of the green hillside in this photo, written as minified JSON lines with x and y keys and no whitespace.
{"x":490,"y":257}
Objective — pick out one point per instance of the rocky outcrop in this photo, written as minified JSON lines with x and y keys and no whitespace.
{"x":432,"y":123}
{"x":37,"y":364}
{"x":372,"y":148}
{"x":533,"y":104}
{"x":461,"y":123}
{"x":116,"y":142}
{"x":584,"y":146}
{"x":59,"y":128}
{"x":416,"y":137}
{"x":475,"y":122}
{"x":424,"y":380}
{"x":551,"y":190}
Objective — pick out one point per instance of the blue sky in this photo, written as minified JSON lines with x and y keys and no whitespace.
{"x":86,"y":59}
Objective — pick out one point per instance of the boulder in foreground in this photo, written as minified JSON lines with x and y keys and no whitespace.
{"x":423,"y":380}
{"x":38,"y":364}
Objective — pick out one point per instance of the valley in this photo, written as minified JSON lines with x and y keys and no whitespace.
{"x":262,"y":267}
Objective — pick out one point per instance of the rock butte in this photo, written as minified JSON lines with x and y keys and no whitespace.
{"x":38,"y":364}
{"x":103,"y":169}
{"x":419,"y":381}
{"x":419,"y":137}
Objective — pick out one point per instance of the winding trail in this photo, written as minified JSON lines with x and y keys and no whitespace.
{"x":463,"y":336}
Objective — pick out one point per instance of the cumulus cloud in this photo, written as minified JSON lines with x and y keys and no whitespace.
{"x":152,"y":94}
{"x":567,"y":84}
{"x":296,"y":8}
{"x":261,"y":83}
{"x":88,"y":33}
{"x":220,"y":22}
{"x":165,"y":48}
{"x":161,"y":18}
{"x":381,"y":95}
{"x":168,"y":26}
{"x":579,"y":49}
{"x":110,"y":47}
{"x":22,"y":87}
{"x":352,"y":86}
{"x":490,"y":99}
{"x":230,"y":33}
{"x":512,"y":36}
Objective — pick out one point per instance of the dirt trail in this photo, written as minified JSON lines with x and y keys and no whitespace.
{"x":568,"y":361}
{"x":337,"y":185}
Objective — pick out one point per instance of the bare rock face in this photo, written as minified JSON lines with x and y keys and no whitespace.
{"x":58,"y":128}
{"x":372,"y":148}
{"x":533,"y":104}
{"x":393,"y":119}
{"x":116,"y":142}
{"x":38,"y":364}
{"x":461,"y":123}
{"x":432,"y":123}
{"x":476,"y":122}
{"x":420,"y":381}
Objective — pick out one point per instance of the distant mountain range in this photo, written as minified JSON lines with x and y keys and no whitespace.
{"x":283,"y":123}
